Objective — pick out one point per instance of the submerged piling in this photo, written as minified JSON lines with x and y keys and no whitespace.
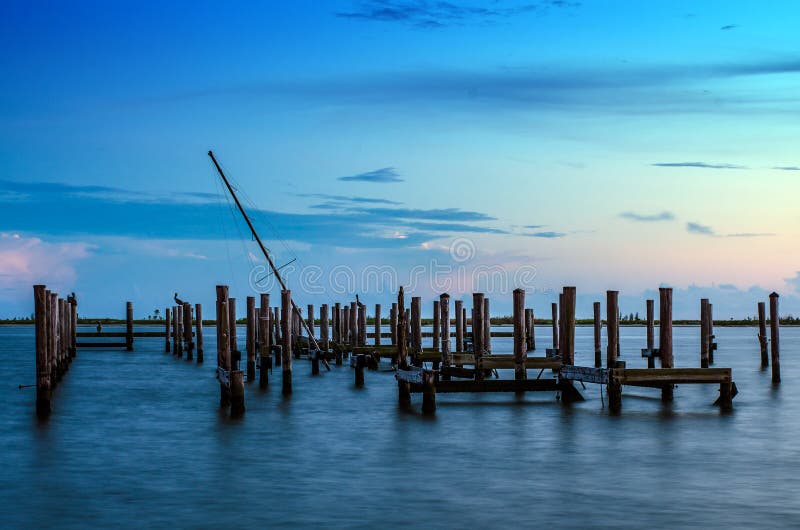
{"x":477,"y":334}
{"x":762,"y":334}
{"x":665,"y":336}
{"x":554,"y":316}
{"x":459,"y":306}
{"x":198,"y":316}
{"x":520,"y":348}
{"x":444,"y":308}
{"x":651,"y":344}
{"x":775,"y":341}
{"x":704,"y":333}
{"x":129,"y":326}
{"x":43,"y":388}
{"x":167,"y":319}
{"x":612,"y":330}
{"x":250,"y":342}
{"x":223,"y":345}
{"x":598,"y":329}
{"x":265,"y":341}
{"x":286,"y":333}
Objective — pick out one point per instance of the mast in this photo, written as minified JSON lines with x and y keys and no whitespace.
{"x":264,"y":251}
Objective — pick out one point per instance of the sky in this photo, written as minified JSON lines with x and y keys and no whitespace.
{"x":442,"y":146}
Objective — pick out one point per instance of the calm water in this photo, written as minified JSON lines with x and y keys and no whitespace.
{"x":137,"y":440}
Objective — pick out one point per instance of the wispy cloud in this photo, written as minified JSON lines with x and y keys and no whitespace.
{"x":787,"y":168}
{"x":703,"y":165}
{"x":729,"y":27}
{"x":648,"y":218}
{"x":534,"y":227}
{"x":751,"y":234}
{"x":428,"y":14}
{"x":347,"y":199}
{"x":383,"y":175}
{"x":697,"y":228}
{"x":546,"y":235}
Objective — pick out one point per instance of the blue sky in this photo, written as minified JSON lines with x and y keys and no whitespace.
{"x":465,"y":145}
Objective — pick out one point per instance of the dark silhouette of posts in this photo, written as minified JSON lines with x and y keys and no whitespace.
{"x":129,"y":326}
{"x":568,"y":335}
{"x":324,"y":329}
{"x":403,"y":387}
{"x":487,"y":327}
{"x":393,"y":323}
{"x":762,"y":334}
{"x":598,"y":327}
{"x":377,"y":324}
{"x":444,"y":309}
{"x":704,"y":338}
{"x":167,"y":317}
{"x":665,"y":336}
{"x":775,"y":340}
{"x":651,"y":344}
{"x":264,"y":341}
{"x":459,"y":309}
{"x":478,"y":345}
{"x":236,"y":355}
{"x":223,"y":344}
{"x":520,"y":349}
{"x":43,"y":388}
{"x":187,"y":329}
{"x":286,"y":334}
{"x":554,"y":311}
{"x":416,"y":325}
{"x":530,"y":330}
{"x":612,"y":317}
{"x":437,"y":315}
{"x":362,"y":325}
{"x":250,"y":338}
{"x":198,"y":322}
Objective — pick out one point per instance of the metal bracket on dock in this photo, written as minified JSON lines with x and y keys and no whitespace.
{"x":584,"y":374}
{"x":651,"y":352}
{"x":552,"y":352}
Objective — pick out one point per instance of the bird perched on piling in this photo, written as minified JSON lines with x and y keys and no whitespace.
{"x":178,"y":300}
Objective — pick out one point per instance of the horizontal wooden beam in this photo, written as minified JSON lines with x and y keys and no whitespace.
{"x":670,"y":376}
{"x":101,"y":345}
{"x":494,"y":385}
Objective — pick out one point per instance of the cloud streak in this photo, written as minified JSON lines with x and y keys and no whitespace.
{"x":383,"y":175}
{"x":702,"y":165}
{"x":648,"y":218}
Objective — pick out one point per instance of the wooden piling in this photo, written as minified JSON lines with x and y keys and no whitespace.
{"x":43,"y":388}
{"x":176,"y":344}
{"x":62,"y":350}
{"x":477,"y":334}
{"x":710,"y":323}
{"x":444,"y":309}
{"x":237,"y":393}
{"x":277,"y":328}
{"x":612,"y":317}
{"x":554,"y":316}
{"x":437,"y":328}
{"x":286,"y":333}
{"x":762,"y":333}
{"x":187,"y":329}
{"x":598,"y":329}
{"x":416,"y":324}
{"x":665,"y":336}
{"x":530,"y":330}
{"x":568,"y":336}
{"x":393,"y":323}
{"x":520,"y":349}
{"x":651,"y":334}
{"x":310,"y":322}
{"x":361,"y":363}
{"x":74,"y":316}
{"x":223,"y":345}
{"x":250,"y":338}
{"x":198,"y":316}
{"x":236,"y":355}
{"x":167,"y":317}
{"x":428,"y":392}
{"x":52,"y":359}
{"x":402,"y":342}
{"x":353,"y":319}
{"x":265,"y":341}
{"x":774,"y":339}
{"x":487,"y":327}
{"x":324,"y":329}
{"x":459,"y":310}
{"x":129,"y":326}
{"x":362,"y":325}
{"x":377,"y":324}
{"x":704,"y":333}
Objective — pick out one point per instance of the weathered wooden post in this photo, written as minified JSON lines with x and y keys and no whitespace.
{"x":324,"y":329}
{"x":459,"y":310}
{"x":444,"y":309}
{"x":265,"y":341}
{"x":74,"y":317}
{"x":335,"y":323}
{"x":612,"y":317}
{"x":62,"y":350}
{"x":568,"y":336}
{"x":487,"y":327}
{"x":416,"y":325}
{"x":762,"y":333}
{"x":428,"y":392}
{"x":179,"y":330}
{"x":651,"y":334}
{"x":598,"y":329}
{"x":277,"y":327}
{"x":187,"y":329}
{"x":52,"y":358}
{"x":704,"y":333}
{"x":554,"y":316}
{"x":710,"y":323}
{"x":665,"y":336}
{"x":361,"y":363}
{"x":175,"y":342}
{"x":310,"y":322}
{"x":402,"y":342}
{"x":393,"y":323}
{"x":167,"y":317}
{"x":223,"y":346}
{"x":377,"y":324}
{"x":250,"y":342}
{"x":464,"y":320}
{"x":198,"y":317}
{"x":775,"y":339}
{"x":436,"y":325}
{"x":353,"y":318}
{"x":129,"y":326}
{"x":362,"y":325}
{"x":286,"y":334}
{"x":530,"y":330}
{"x":477,"y":334}
{"x":43,"y":389}
{"x":236,"y":355}
{"x":520,"y":350}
